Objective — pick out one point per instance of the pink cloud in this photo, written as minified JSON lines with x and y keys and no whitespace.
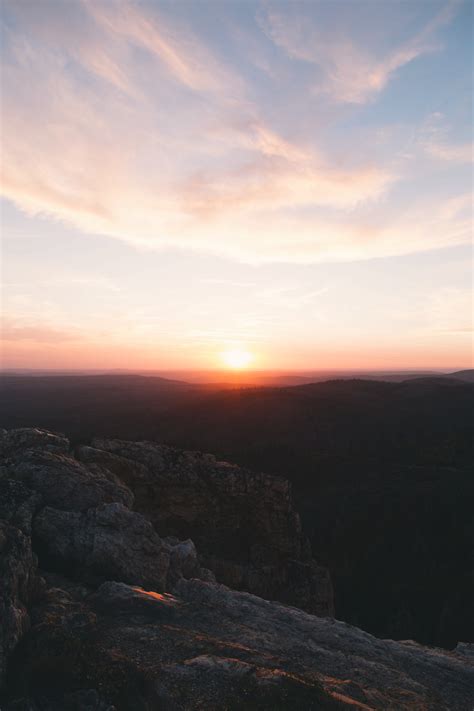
{"x":96,"y":148}
{"x":350,"y":72}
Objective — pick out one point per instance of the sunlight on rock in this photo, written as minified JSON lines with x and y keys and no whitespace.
{"x":164,"y":598}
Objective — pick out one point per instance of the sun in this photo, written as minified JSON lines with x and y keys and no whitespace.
{"x":237,"y":358}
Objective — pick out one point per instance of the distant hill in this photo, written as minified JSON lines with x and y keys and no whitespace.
{"x":251,"y":378}
{"x":467,"y":375}
{"x":80,"y":403}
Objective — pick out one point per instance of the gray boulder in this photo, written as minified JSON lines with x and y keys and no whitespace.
{"x":108,"y":542}
{"x":111,"y":542}
{"x":14,"y":441}
{"x":63,"y":482}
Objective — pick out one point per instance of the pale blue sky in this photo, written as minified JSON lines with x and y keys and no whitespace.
{"x":293,"y":179}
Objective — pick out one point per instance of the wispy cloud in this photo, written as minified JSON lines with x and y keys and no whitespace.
{"x":452,"y":153}
{"x":451,"y":310}
{"x":289,"y":298}
{"x":460,"y":206}
{"x":129,"y":169}
{"x":435,"y":141}
{"x":126,"y":123}
{"x":186,"y":59}
{"x":273,"y":184}
{"x":349,"y":71}
{"x":20,"y":331}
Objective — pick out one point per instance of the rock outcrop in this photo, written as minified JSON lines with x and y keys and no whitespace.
{"x":112,"y":543}
{"x":109,"y":542}
{"x":64,"y":482}
{"x":99,"y":612}
{"x":207,"y":647}
{"x":243,"y":523}
{"x":28,"y":438}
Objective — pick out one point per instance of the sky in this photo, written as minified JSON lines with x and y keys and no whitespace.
{"x":288,"y":180}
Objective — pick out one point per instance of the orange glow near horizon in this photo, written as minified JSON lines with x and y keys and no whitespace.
{"x":237,"y":358}
{"x":91,"y":353}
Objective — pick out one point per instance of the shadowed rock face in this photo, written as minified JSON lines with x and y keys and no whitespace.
{"x":243,"y":523}
{"x":19,"y":580}
{"x":18,"y":504}
{"x":109,"y":541}
{"x":113,"y":617}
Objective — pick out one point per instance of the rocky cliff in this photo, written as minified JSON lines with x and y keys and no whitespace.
{"x":243,"y":524}
{"x":104,"y":606}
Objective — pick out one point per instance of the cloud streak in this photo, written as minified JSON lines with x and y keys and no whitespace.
{"x":12,"y":331}
{"x":350,"y":72}
{"x":186,"y":59}
{"x":125,"y":123}
{"x":451,"y":153}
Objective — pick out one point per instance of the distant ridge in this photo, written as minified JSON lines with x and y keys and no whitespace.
{"x":224,"y":379}
{"x":466,"y":375}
